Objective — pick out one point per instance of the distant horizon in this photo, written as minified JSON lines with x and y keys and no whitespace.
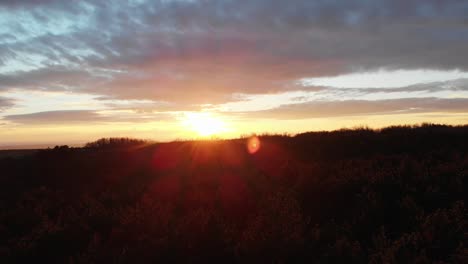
{"x":33,"y":146}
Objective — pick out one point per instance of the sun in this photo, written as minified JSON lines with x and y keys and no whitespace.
{"x":204,"y":124}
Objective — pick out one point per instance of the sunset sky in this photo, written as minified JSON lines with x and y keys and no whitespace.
{"x":75,"y":71}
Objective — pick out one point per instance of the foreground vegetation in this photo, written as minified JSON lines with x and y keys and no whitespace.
{"x":397,"y":195}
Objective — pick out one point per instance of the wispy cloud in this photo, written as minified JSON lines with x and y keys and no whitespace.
{"x":69,"y":116}
{"x":86,"y":117}
{"x":5,"y":103}
{"x":319,"y":109}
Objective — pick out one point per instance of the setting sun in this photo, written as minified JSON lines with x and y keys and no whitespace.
{"x":204,"y":124}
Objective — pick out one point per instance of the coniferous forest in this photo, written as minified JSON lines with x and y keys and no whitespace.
{"x":393,"y":195}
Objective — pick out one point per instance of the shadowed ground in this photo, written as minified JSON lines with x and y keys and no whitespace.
{"x":393,"y":195}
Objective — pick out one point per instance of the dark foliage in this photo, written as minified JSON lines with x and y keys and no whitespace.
{"x":115,"y":143}
{"x":397,"y":195}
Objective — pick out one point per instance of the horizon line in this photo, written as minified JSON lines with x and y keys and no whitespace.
{"x":81,"y":144}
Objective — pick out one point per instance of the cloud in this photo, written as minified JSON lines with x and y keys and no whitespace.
{"x":86,"y":117}
{"x":196,"y":52}
{"x":458,"y":85}
{"x":5,"y":103}
{"x":318,"y":109}
{"x":23,"y":3}
{"x":452,"y":85}
{"x":55,"y":117}
{"x":52,"y":79}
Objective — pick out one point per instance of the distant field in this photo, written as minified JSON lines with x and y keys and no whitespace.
{"x":16,"y":152}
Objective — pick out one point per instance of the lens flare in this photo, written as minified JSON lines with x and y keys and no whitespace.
{"x":253,"y":144}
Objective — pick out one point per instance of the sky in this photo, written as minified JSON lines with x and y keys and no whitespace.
{"x":75,"y":71}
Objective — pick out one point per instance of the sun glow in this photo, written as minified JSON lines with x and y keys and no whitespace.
{"x":204,"y":124}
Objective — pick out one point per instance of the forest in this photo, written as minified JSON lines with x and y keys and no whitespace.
{"x":391,"y":195}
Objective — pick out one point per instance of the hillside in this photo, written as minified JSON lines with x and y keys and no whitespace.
{"x":350,"y":196}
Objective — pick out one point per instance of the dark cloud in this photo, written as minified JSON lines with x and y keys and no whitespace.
{"x":203,"y":51}
{"x":318,"y":109}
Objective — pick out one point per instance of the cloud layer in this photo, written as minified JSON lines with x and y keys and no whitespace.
{"x":54,"y":117}
{"x":203,"y":51}
{"x":87,"y":117}
{"x":320,"y":109}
